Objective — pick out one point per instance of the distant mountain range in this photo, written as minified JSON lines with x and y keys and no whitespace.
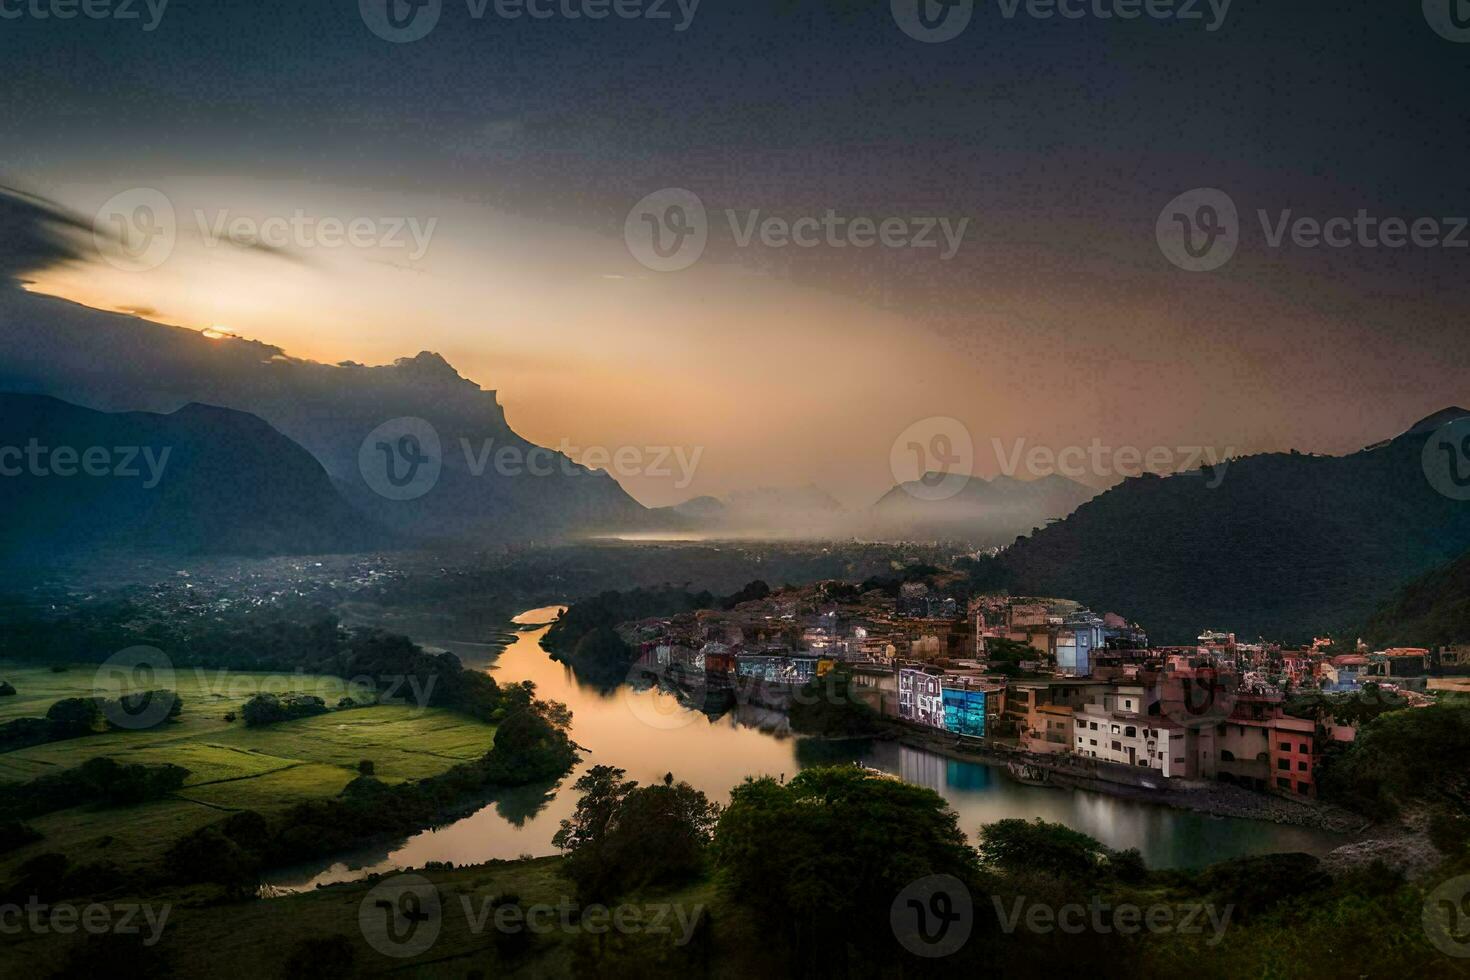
{"x":992,"y":512}
{"x":484,"y":491}
{"x":980,"y":512}
{"x":806,"y":511}
{"x":200,"y":480}
{"x":1286,"y":545}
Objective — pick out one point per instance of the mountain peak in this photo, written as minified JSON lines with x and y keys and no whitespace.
{"x":428,"y":365}
{"x":1431,"y":422}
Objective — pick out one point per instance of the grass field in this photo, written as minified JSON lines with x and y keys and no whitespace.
{"x":256,"y":938}
{"x":232,"y":767}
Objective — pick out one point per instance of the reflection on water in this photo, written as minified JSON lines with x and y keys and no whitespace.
{"x":648,"y":732}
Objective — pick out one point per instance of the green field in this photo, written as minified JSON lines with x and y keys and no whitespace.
{"x":256,"y":938}
{"x":232,"y":767}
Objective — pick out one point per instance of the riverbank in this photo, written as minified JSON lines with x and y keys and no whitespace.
{"x":1214,"y":799}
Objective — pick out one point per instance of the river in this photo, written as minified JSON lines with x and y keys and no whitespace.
{"x":649,"y":733}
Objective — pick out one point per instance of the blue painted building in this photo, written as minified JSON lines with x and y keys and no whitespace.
{"x":964,"y":711}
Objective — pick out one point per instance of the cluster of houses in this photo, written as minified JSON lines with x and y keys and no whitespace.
{"x":1052,"y":678}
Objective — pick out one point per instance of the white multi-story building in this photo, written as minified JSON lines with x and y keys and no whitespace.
{"x":1118,"y":728}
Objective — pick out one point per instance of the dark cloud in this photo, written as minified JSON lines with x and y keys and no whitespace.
{"x":36,"y":234}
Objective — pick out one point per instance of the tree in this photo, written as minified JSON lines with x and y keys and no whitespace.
{"x":1400,"y":756}
{"x":268,"y":709}
{"x":527,"y":748}
{"x":750,"y":592}
{"x":603,"y":790}
{"x":826,"y":854}
{"x":77,"y":716}
{"x":1016,"y":845}
{"x":623,"y":836}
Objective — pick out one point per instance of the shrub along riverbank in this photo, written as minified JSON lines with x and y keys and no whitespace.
{"x":810,"y":879}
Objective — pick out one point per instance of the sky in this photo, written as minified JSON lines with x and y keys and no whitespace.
{"x":501,"y":174}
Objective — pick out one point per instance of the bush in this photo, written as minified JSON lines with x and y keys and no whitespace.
{"x":1448,"y":830}
{"x":1017,"y":845}
{"x":210,"y":854}
{"x":6,"y":689}
{"x":15,"y":835}
{"x":268,"y":709}
{"x":77,"y":717}
{"x":100,"y":781}
{"x":366,"y":767}
{"x":117,"y":956}
{"x":1256,"y":884}
{"x":328,"y":957}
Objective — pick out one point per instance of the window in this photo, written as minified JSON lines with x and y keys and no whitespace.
{"x":1283,"y":764}
{"x":1092,"y":741}
{"x":1117,"y":747}
{"x":1130,"y":731}
{"x":1092,"y":725}
{"x":1283,"y":783}
{"x":1286,"y":746}
{"x":1301,"y":767}
{"x":1128,"y":704}
{"x":1079,"y":739}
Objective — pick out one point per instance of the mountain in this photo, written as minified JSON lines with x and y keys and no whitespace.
{"x":700,"y":509}
{"x":982,"y":512}
{"x":807,"y":511}
{"x":782,"y":506}
{"x":990,"y":512}
{"x":486,"y":484}
{"x":201,"y":480}
{"x":1432,"y":610}
{"x":1281,"y":545}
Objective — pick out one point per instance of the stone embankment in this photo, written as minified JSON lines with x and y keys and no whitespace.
{"x":1219,"y":799}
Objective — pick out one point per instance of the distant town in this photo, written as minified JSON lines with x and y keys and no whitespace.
{"x":1051,"y":681}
